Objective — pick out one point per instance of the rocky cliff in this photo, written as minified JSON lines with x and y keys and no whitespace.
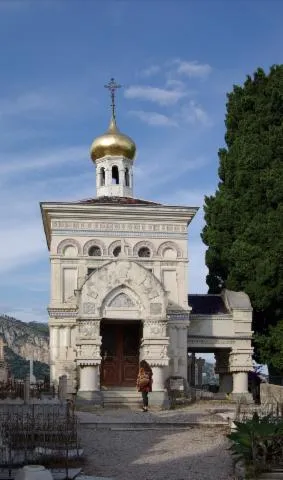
{"x":27,"y":340}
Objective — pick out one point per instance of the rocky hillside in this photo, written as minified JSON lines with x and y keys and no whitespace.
{"x":26,"y":340}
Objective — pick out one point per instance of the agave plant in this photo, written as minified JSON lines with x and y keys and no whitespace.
{"x":258,"y":442}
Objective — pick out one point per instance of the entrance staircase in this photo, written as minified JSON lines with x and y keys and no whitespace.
{"x":121,"y":396}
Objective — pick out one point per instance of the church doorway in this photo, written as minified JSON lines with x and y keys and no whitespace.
{"x":120,"y":353}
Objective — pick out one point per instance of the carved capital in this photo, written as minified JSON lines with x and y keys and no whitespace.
{"x":240,"y":362}
{"x":153,"y":328}
{"x":89,"y":329}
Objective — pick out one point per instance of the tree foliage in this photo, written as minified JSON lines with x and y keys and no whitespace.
{"x":244,"y":219}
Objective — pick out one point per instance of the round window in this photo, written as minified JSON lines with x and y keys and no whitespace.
{"x":117,"y":251}
{"x":94,"y":251}
{"x":144,"y":252}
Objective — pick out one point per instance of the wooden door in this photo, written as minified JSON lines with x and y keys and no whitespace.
{"x":120,"y":354}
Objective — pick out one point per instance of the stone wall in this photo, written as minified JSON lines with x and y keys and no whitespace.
{"x":271,"y":393}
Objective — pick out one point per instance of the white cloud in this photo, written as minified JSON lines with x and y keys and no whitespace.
{"x":193,"y":68}
{"x":162,"y":96}
{"x":178,"y":84}
{"x":194,"y":113}
{"x":154,"y":119}
{"x":40,"y":160}
{"x":21,"y":244}
{"x":150,"y":71}
{"x":28,"y":102}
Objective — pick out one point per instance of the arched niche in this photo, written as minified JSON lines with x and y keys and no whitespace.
{"x":169,"y":250}
{"x":94,"y":243}
{"x":144,"y":244}
{"x":69,"y":248}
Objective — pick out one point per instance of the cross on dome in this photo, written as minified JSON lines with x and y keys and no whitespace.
{"x":112,"y":86}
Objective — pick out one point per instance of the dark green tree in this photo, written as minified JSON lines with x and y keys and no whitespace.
{"x":244,"y":219}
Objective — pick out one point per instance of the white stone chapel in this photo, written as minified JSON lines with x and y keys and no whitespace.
{"x":119,"y":288}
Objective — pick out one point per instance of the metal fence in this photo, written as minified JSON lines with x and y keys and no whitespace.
{"x":16,"y":390}
{"x":45,"y":434}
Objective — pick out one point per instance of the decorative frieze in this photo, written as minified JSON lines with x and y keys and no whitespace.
{"x":89,"y":329}
{"x":210,"y":340}
{"x":154,"y":329}
{"x":117,"y":227}
{"x":88,"y":352}
{"x":62,"y":312}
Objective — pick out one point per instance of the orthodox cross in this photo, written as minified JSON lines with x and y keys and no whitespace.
{"x":112,"y":86}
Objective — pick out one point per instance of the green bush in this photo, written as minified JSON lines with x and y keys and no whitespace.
{"x":258,"y":442}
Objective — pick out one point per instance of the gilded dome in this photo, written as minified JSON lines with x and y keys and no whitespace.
{"x":113,"y":143}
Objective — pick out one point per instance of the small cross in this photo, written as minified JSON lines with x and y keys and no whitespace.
{"x":112,"y":86}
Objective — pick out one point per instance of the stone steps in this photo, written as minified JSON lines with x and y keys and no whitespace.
{"x":121,"y":397}
{"x":275,"y":474}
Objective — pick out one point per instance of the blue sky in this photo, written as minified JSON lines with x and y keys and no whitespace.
{"x":176,"y":60}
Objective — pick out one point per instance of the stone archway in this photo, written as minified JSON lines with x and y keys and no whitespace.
{"x":123,"y":274}
{"x":122,"y":292}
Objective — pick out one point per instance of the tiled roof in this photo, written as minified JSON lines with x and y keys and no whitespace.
{"x":206,"y":304}
{"x":117,"y":200}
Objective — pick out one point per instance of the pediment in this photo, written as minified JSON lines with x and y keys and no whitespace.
{"x":122,"y":300}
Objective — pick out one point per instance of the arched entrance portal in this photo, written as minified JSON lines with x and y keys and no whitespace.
{"x":120,"y":352}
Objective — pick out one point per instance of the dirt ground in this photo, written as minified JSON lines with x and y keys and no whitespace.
{"x":197,"y":453}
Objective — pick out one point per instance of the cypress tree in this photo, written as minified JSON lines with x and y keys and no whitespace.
{"x":244,"y":219}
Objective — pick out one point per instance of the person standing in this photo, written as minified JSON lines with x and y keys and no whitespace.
{"x":144,"y":383}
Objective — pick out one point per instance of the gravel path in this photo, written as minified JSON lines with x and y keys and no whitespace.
{"x":198,"y":453}
{"x":204,"y":413}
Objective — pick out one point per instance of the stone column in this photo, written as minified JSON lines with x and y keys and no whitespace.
{"x":154,"y":346}
{"x":240,"y":383}
{"x":222,"y":369}
{"x":189,"y":377}
{"x":62,"y":389}
{"x":55,"y":276}
{"x":193,"y":369}
{"x":240,"y":363}
{"x":89,"y":383}
{"x":182,"y":332}
{"x":200,"y":365}
{"x":68,"y":336}
{"x":26,"y":390}
{"x":88,"y":360}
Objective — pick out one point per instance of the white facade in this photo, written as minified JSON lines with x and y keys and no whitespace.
{"x":119,"y":263}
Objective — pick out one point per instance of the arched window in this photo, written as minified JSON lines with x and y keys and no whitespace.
{"x":127,"y":177}
{"x":115,"y":175}
{"x":94,"y":251}
{"x":102,"y":176}
{"x":117,"y":251}
{"x":144,"y":252}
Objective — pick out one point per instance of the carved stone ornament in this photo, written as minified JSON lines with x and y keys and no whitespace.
{"x":113,"y":276}
{"x":155,"y":308}
{"x":240,"y":362}
{"x":88,"y":352}
{"x":91,"y":289}
{"x":89,"y":308}
{"x":121,"y":301}
{"x":147,"y":284}
{"x":118,"y":227}
{"x":89,"y":329}
{"x":155,"y":329}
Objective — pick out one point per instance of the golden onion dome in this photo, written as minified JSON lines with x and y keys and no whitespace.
{"x":111,"y":143}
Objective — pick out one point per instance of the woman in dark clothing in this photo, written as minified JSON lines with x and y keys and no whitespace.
{"x":144,"y":382}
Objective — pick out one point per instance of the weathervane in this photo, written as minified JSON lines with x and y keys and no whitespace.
{"x":112,"y":86}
